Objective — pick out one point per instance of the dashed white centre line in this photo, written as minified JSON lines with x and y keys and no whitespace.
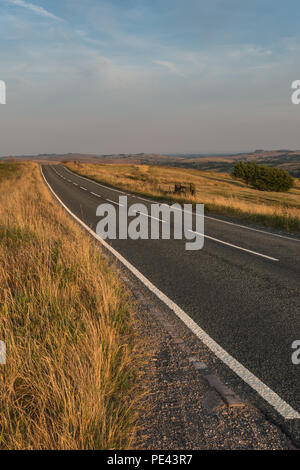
{"x":271,"y":258}
{"x":151,"y":217}
{"x":235,"y":246}
{"x":114,"y":202}
{"x":271,"y":397}
{"x":95,"y":182}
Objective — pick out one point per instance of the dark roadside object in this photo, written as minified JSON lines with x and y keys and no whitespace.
{"x":192,"y":189}
{"x":184,"y":189}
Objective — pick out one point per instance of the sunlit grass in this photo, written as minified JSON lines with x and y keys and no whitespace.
{"x":220,"y":193}
{"x":70,"y":378}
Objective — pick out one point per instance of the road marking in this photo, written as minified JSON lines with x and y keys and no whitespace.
{"x":253,"y":229}
{"x":256,"y":253}
{"x":271,"y":397}
{"x":150,"y":216}
{"x":97,"y":195}
{"x":214,"y":239}
{"x":81,"y":187}
{"x":144,"y":199}
{"x":95,"y":182}
{"x":235,"y":246}
{"x":114,"y":202}
{"x":206,"y":216}
{"x":238,"y":225}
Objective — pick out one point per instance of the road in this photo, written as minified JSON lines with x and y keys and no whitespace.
{"x":242,"y":289}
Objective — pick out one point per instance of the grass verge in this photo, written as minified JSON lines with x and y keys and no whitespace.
{"x":220,"y":193}
{"x":70,"y":381}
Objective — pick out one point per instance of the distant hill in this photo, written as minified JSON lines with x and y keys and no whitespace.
{"x":287,"y":159}
{"x":146,"y":158}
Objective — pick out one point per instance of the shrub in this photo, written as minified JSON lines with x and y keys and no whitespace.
{"x":262,"y":177}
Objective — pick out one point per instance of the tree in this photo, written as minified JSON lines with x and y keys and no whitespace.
{"x":239,"y":170}
{"x":262,"y":177}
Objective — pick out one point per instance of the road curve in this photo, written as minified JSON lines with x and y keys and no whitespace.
{"x":242,"y":288}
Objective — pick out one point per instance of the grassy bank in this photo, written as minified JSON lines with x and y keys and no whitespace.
{"x":218,"y":191}
{"x":70,"y":378}
{"x":10,"y":170}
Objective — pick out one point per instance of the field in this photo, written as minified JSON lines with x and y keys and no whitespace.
{"x":70,"y":377}
{"x":218,"y":191}
{"x":285,"y":159}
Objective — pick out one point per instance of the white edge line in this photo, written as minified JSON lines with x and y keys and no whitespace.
{"x":283,"y":408}
{"x":238,"y":225}
{"x":206,"y":216}
{"x":217,"y":240}
{"x":253,"y":229}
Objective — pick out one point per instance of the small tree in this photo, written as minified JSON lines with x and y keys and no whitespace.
{"x":239,"y":170}
{"x":262,"y":177}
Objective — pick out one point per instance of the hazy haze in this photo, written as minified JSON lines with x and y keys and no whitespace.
{"x":162,"y":76}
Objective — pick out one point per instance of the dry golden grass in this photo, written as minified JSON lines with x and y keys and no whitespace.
{"x":218,"y":191}
{"x":70,"y":378}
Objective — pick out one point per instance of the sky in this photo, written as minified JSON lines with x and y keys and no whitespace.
{"x":157,"y":76}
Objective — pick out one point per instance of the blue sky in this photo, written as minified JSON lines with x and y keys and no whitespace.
{"x":148,"y":75}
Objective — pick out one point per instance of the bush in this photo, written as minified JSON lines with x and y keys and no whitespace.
{"x":262,"y":177}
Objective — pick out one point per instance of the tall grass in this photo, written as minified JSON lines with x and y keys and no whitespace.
{"x":10,"y":170}
{"x":220,"y":193}
{"x":70,"y":378}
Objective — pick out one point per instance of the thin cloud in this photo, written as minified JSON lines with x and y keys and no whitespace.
{"x":249,"y":51}
{"x":35,"y":9}
{"x":169,"y":66}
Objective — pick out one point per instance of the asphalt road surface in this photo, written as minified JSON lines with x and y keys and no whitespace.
{"x":242,"y":289}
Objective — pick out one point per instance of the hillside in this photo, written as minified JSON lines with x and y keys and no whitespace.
{"x":220,"y":193}
{"x":287,"y":159}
